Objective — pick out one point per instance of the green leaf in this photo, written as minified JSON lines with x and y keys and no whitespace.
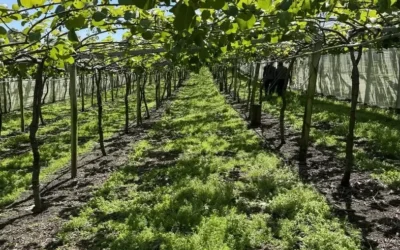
{"x":3,"y":31}
{"x":133,"y":30}
{"x":26,"y":3}
{"x":243,"y":3}
{"x":70,"y":60}
{"x":363,"y":16}
{"x":205,"y":15}
{"x":218,"y":4}
{"x":342,"y":17}
{"x":184,"y":16}
{"x":285,"y":5}
{"x":129,"y":15}
{"x":105,"y":11}
{"x":203,"y":54}
{"x":233,"y":29}
{"x":148,"y":35}
{"x":60,"y":8}
{"x":79,"y":4}
{"x":307,"y":5}
{"x":246,"y":42}
{"x":225,"y":25}
{"x":16,"y":17}
{"x":274,"y":39}
{"x":284,"y":18}
{"x":145,"y":23}
{"x":264,"y":4}
{"x":76,"y":22}
{"x":232,"y":11}
{"x":34,"y":36}
{"x":72,"y":36}
{"x":245,"y":20}
{"x":53,"y":53}
{"x":98,"y":16}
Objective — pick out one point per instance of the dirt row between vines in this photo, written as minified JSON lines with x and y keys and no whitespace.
{"x":63,"y":197}
{"x":368,"y":204}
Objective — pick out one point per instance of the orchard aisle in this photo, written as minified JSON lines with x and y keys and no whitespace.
{"x":201,"y":180}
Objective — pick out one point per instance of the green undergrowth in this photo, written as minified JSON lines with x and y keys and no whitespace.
{"x":377,"y":147}
{"x":200,"y":180}
{"x":54,"y":139}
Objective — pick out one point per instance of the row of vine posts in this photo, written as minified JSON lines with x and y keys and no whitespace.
{"x":134,"y":81}
{"x":220,"y":74}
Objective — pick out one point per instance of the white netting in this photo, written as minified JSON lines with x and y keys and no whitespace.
{"x":379,"y":76}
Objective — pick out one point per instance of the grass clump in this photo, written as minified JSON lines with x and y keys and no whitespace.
{"x":201,"y":181}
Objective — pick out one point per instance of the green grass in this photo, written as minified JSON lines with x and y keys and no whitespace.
{"x":378,"y":127}
{"x":202,"y":181}
{"x":15,"y":168}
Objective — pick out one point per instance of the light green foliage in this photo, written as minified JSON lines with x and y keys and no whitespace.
{"x":201,"y":181}
{"x":54,"y":139}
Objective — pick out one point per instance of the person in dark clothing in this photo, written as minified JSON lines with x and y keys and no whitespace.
{"x":281,"y":78}
{"x":269,"y":75}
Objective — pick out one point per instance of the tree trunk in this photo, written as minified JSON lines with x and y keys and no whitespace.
{"x":225,"y":75}
{"x":235,"y":78}
{"x":232,"y":81}
{"x":53,"y":90}
{"x":37,"y":99}
{"x":105,"y":88}
{"x":100,"y":113}
{"x":255,"y":84}
{"x":127,"y":86}
{"x":117,"y":85}
{"x":220,"y":79}
{"x":132,"y":87}
{"x":284,"y":101}
{"x":174,"y":79}
{"x":1,"y":116}
{"x":4,"y":95}
{"x":179,"y":78}
{"x":169,"y":86}
{"x":158,"y":85}
{"x":312,"y":83}
{"x":9,"y":96}
{"x":143,"y":90}
{"x":239,"y":85}
{"x":42,"y":123}
{"x":21,"y":103}
{"x":255,"y":119}
{"x":93,"y":80}
{"x":47,"y":90}
{"x":138,"y":102}
{"x":112,"y":87}
{"x":74,"y":119}
{"x":165,"y":85}
{"x":82,"y":87}
{"x":65,"y":87}
{"x":249,"y":88}
{"x":355,"y":87}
